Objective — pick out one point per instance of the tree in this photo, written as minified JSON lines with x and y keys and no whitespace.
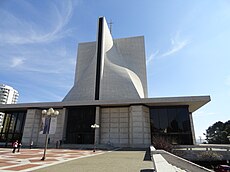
{"x":219,"y":133}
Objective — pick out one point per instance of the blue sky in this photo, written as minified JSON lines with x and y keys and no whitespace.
{"x":187,"y":47}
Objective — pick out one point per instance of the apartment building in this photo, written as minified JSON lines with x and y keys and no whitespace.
{"x":8,"y":95}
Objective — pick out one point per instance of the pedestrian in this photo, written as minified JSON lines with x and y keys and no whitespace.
{"x":15,"y":145}
{"x":19,"y":146}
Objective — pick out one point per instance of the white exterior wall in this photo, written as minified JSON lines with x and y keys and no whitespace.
{"x":32,"y":128}
{"x":123,"y":69}
{"x":114,"y":126}
{"x":119,"y":126}
{"x":85,"y":77}
{"x":140,"y":134}
{"x":125,"y":126}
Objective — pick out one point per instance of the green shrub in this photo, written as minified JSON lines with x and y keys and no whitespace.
{"x":161,"y":143}
{"x":210,"y":156}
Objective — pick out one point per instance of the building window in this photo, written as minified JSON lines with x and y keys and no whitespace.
{"x":13,"y":125}
{"x":171,"y":123}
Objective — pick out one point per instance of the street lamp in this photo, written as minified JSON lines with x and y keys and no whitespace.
{"x":228,"y":138}
{"x":48,"y":114}
{"x":95,"y":126}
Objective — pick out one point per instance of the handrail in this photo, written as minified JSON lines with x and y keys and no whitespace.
{"x":207,"y":146}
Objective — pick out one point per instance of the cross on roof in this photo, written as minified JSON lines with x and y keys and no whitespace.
{"x":110,"y":26}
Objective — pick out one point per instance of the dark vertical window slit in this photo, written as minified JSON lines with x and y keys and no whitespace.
{"x":99,"y":54}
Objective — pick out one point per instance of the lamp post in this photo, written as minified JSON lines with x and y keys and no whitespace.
{"x":48,"y":114}
{"x":94,"y":126}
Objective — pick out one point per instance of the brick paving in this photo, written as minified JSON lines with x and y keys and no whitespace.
{"x":30,"y":159}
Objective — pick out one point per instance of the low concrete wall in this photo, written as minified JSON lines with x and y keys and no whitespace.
{"x":180,"y":162}
{"x":202,"y":152}
{"x":159,"y":163}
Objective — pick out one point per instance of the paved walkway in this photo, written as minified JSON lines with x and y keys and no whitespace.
{"x":59,"y":160}
{"x":30,"y":159}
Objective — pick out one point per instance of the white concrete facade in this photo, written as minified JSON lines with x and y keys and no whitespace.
{"x":116,"y":70}
{"x":33,"y":125}
{"x":125,"y":126}
{"x":122,"y":69}
{"x":124,"y":123}
{"x":119,"y":126}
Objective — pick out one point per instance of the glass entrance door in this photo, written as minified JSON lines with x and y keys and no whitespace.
{"x":79,"y":123}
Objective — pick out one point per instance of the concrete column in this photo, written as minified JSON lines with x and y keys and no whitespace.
{"x":60,"y":127}
{"x":38,"y":116}
{"x":31,"y":128}
{"x":97,"y":121}
{"x":139,"y":126}
{"x":192,"y":128}
{"x":65,"y":117}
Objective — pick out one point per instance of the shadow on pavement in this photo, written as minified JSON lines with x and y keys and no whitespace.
{"x":147,"y":170}
{"x":147,"y":155}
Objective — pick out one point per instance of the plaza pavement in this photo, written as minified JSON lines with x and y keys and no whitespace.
{"x":58,"y":160}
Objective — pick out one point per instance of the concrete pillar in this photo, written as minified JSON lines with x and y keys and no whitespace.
{"x":192,"y":128}
{"x":97,"y":121}
{"x":65,"y":117}
{"x":139,"y":126}
{"x":31,"y":127}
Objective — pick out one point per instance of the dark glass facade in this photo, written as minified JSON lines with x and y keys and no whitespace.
{"x":79,"y":123}
{"x":172,"y":123}
{"x":13,"y":125}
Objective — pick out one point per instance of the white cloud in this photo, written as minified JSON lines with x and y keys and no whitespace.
{"x":39,"y":59}
{"x":17,"y":61}
{"x":31,"y":31}
{"x":177,"y":44}
{"x":151,"y":57}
